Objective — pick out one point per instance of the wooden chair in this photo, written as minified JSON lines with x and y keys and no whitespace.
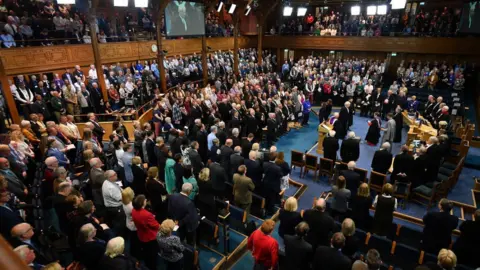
{"x":402,"y":191}
{"x":297,"y":161}
{"x":326,"y":167}
{"x":377,"y":180}
{"x":363,"y":174}
{"x":311,"y":164}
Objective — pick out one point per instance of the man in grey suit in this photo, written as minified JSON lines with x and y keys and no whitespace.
{"x":15,"y":185}
{"x":389,"y":132}
{"x":242,"y":189}
{"x":96,"y":181}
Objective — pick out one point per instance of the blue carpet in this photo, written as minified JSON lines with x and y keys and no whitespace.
{"x":208,"y":259}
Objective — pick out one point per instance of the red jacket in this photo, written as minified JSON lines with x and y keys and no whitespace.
{"x":147,"y":226}
{"x":264,"y":249}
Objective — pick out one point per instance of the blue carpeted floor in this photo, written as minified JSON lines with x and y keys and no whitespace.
{"x":304,"y":139}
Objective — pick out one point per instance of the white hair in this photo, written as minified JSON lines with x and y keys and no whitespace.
{"x":93,"y":162}
{"x":50,"y":160}
{"x":445,"y":108}
{"x":221,"y":124}
{"x":198,"y":121}
{"x":24,"y":123}
{"x":252,"y":155}
{"x":351,"y":134}
{"x":213,"y":129}
{"x":273,"y":149}
{"x":235,"y":131}
{"x":22,"y":251}
{"x":351,"y":165}
{"x":109,"y":174}
{"x":347,"y":104}
{"x":386,"y":145}
{"x":336,"y":115}
{"x":187,"y":188}
{"x":115,"y":247}
{"x":332,"y":133}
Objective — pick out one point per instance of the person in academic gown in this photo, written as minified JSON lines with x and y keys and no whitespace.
{"x":373,"y":134}
{"x":398,"y":117}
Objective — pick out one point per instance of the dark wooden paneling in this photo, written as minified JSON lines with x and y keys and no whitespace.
{"x":461,"y":46}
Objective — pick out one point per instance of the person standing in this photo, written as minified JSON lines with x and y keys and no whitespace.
{"x":321,"y":224}
{"x":437,"y":233}
{"x":375,"y":126}
{"x":147,"y":228}
{"x":382,"y":159}
{"x":389,"y":131}
{"x":170,"y":246}
{"x":183,"y":210}
{"x":298,"y":252}
{"x":242,"y":189}
{"x":263,"y":246}
{"x":330,"y":146}
{"x":112,"y":198}
{"x":331,"y":257}
{"x":385,"y":204}
{"x":398,"y":118}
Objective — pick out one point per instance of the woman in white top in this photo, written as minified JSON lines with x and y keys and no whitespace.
{"x":127,"y":198}
{"x":118,"y":145}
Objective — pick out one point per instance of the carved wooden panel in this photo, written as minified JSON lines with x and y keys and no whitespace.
{"x":465,"y":46}
{"x":41,"y":59}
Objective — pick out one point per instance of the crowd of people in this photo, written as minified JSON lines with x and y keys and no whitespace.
{"x":432,"y":75}
{"x":198,"y":140}
{"x":313,"y":240}
{"x":328,"y":22}
{"x":46,"y":23}
{"x":77,"y":92}
{"x":144,"y":189}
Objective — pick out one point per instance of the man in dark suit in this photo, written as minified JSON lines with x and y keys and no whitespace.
{"x":403,"y":166}
{"x":201,"y":138}
{"x":434,"y":158}
{"x":221,"y":133}
{"x":437,"y":232}
{"x":218,"y":176}
{"x":321,"y":224}
{"x":236,"y":160}
{"x":272,"y":126}
{"x":96,"y":181}
{"x":8,"y":214}
{"x":429,"y":107}
{"x":255,"y":171}
{"x":98,"y":130}
{"x":247,"y":145}
{"x":388,"y":103}
{"x":180,"y":24}
{"x":350,"y":149}
{"x":466,"y":248}
{"x":338,"y":127}
{"x":298,"y":252}
{"x":344,"y":116}
{"x":352,"y":178}
{"x":251,"y":123}
{"x":195,"y":158}
{"x":150,"y":143}
{"x":225,"y":152}
{"x":382,"y":159}
{"x":97,"y":99}
{"x":15,"y":185}
{"x":331,"y":257}
{"x":183,"y":210}
{"x":271,"y":182}
{"x":23,"y":234}
{"x":330,"y":146}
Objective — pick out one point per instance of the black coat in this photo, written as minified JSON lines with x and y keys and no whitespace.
{"x":298,"y":253}
{"x":152,"y":158}
{"x":272,"y":177}
{"x":466,"y":248}
{"x":382,"y":160}
{"x":246,"y":148}
{"x":330,"y":148}
{"x":213,"y":154}
{"x":206,"y":200}
{"x":344,"y":118}
{"x":251,"y":125}
{"x":218,"y":176}
{"x":288,"y":221}
{"x":225,"y":153}
{"x":235,"y":161}
{"x":196,"y":161}
{"x":361,"y":211}
{"x":254,"y":172}
{"x":90,"y":253}
{"x":139,"y":177}
{"x":120,"y":262}
{"x":350,"y":150}
{"x":181,"y":208}
{"x":353,"y":181}
{"x":222,"y":136}
{"x":420,"y":167}
{"x":321,"y":227}
{"x":403,"y":163}
{"x":340,"y":130}
{"x":373,"y":134}
{"x":398,"y":127}
{"x":437,"y":232}
{"x":10,"y":217}
{"x":329,"y":258}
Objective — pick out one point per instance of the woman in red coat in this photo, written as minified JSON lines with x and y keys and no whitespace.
{"x":147,"y":229}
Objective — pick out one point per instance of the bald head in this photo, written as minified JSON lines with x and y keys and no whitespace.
{"x":51,"y":161}
{"x":23,"y":231}
{"x":237,"y":149}
{"x":229,"y":142}
{"x":320,"y":205}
